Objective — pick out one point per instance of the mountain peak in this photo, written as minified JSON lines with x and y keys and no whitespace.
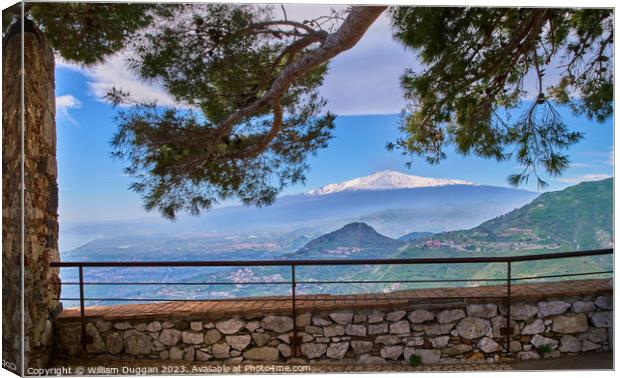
{"x":386,"y":180}
{"x":354,"y":239}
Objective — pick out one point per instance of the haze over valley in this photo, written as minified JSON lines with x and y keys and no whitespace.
{"x":384,"y":215}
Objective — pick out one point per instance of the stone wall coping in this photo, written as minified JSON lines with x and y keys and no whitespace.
{"x":459,"y":296}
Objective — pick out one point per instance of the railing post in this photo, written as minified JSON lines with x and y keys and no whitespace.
{"x":82,"y":320}
{"x":509,"y":304}
{"x":294,"y":342}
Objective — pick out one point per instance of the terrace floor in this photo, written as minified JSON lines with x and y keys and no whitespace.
{"x":212,"y":308}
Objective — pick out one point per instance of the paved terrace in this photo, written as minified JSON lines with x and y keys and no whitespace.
{"x":283,"y":304}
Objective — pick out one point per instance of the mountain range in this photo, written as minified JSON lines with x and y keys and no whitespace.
{"x":394,"y":203}
{"x":576,"y":218}
{"x":579,"y":217}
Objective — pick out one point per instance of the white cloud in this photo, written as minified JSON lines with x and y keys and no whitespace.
{"x":586,"y":177}
{"x":113,"y":72}
{"x":66,"y":102}
{"x":363,"y":80}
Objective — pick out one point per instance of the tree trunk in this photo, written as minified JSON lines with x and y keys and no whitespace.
{"x":40,"y":206}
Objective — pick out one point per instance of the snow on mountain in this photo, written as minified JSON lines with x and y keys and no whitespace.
{"x":386,"y":180}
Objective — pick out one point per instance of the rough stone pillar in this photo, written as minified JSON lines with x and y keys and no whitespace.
{"x":11,"y":210}
{"x":40,"y":196}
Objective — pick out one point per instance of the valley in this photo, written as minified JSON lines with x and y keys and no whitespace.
{"x":575,"y":218}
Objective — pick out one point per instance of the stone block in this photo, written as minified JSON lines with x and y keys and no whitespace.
{"x":230,"y":326}
{"x":487,"y":310}
{"x":392,"y":352}
{"x":551,"y":308}
{"x":473,"y":328}
{"x":570,"y":323}
{"x":374,"y":329}
{"x":137,"y":343}
{"x":278,"y":324}
{"x":262,"y":354}
{"x":395,"y":316}
{"x":337,"y":350}
{"x":239,"y":342}
{"x":420,"y":316}
{"x":450,"y":316}
{"x":342,"y":318}
{"x":313,"y":350}
{"x":361,"y":347}
{"x":355,"y":330}
{"x":400,"y":327}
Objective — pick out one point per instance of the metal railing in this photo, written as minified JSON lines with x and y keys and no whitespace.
{"x":292,"y":264}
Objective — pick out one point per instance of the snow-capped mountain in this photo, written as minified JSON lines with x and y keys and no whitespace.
{"x":386,"y":180}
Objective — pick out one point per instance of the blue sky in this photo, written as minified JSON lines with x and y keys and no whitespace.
{"x":362,"y":87}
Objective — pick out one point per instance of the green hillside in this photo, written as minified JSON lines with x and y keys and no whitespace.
{"x":355,"y":240}
{"x":579,"y":217}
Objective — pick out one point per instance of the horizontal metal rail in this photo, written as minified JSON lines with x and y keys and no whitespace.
{"x":292,"y":264}
{"x":253,"y":263}
{"x":101,"y":283}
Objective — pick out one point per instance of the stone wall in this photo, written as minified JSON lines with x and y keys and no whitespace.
{"x":11,"y":208}
{"x":436,"y":332}
{"x":40,"y":196}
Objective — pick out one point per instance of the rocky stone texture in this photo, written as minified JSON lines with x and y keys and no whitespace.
{"x":361,"y":347}
{"x":262,"y":354}
{"x":313,"y":350}
{"x":539,"y":341}
{"x":170,"y":336}
{"x":355,"y":330}
{"x":114,"y":343}
{"x":420,"y":316}
{"x":473,"y":328}
{"x":471,"y":333}
{"x":546,"y":309}
{"x":395,"y":316}
{"x":40,"y":199}
{"x":342,"y":318}
{"x":278,"y":324}
{"x":428,"y":356}
{"x":488,"y":345}
{"x":587,"y":306}
{"x":570,"y":323}
{"x":570,"y":344}
{"x":337,"y":350}
{"x":605,"y":303}
{"x":190,"y":337}
{"x":230,"y":326}
{"x":450,"y":316}
{"x":602,"y":319}
{"x":392,"y":352}
{"x":537,"y":326}
{"x":400,"y":327}
{"x":239,"y":342}
{"x":137,"y":342}
{"x":221,"y":350}
{"x":488,"y":310}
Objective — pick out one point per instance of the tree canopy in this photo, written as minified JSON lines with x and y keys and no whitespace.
{"x":246,"y":80}
{"x":477,"y":64}
{"x":86,"y":32}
